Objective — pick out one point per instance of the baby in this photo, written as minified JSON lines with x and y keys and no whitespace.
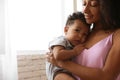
{"x":68,"y":46}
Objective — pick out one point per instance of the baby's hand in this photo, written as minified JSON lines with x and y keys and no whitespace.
{"x":78,"y":49}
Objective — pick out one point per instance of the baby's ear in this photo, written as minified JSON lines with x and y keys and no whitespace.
{"x":66,"y":29}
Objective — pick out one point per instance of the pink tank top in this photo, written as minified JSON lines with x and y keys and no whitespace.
{"x":95,"y":56}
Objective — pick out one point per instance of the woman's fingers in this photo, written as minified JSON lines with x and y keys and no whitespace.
{"x":49,"y":56}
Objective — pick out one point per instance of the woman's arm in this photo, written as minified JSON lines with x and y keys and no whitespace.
{"x":110,"y":70}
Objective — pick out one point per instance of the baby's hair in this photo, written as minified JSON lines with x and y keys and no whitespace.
{"x":76,"y":16}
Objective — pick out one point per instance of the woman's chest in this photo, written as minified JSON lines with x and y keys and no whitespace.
{"x":95,"y":38}
{"x":95,"y":56}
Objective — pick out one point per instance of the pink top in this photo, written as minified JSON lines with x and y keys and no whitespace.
{"x":95,"y":56}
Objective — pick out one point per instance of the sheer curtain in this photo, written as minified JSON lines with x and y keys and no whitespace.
{"x":8,"y":62}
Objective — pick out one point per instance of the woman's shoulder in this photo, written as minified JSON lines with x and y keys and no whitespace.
{"x":117,"y":33}
{"x":116,"y":36}
{"x":117,"y":30}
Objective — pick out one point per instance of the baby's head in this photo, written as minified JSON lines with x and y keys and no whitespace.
{"x":76,"y":29}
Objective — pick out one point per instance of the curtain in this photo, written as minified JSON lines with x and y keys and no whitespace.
{"x":8,"y":61}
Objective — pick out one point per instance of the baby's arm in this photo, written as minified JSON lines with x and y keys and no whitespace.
{"x":60,"y":53}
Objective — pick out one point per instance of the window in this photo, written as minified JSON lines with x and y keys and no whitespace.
{"x":33,"y":23}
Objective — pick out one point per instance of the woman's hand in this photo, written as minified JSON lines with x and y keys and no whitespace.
{"x":50,"y":58}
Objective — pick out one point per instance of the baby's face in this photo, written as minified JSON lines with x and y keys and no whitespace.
{"x":77,"y":32}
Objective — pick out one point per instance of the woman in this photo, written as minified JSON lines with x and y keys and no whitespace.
{"x":101,"y":58}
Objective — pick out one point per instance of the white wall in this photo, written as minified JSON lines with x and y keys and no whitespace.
{"x":79,"y":5}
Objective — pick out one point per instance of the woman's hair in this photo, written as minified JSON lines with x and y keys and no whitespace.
{"x":76,"y":16}
{"x":110,"y":13}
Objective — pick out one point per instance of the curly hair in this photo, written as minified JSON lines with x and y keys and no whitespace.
{"x":76,"y":16}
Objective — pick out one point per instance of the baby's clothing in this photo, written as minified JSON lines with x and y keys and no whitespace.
{"x":96,"y":55}
{"x":52,"y":70}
